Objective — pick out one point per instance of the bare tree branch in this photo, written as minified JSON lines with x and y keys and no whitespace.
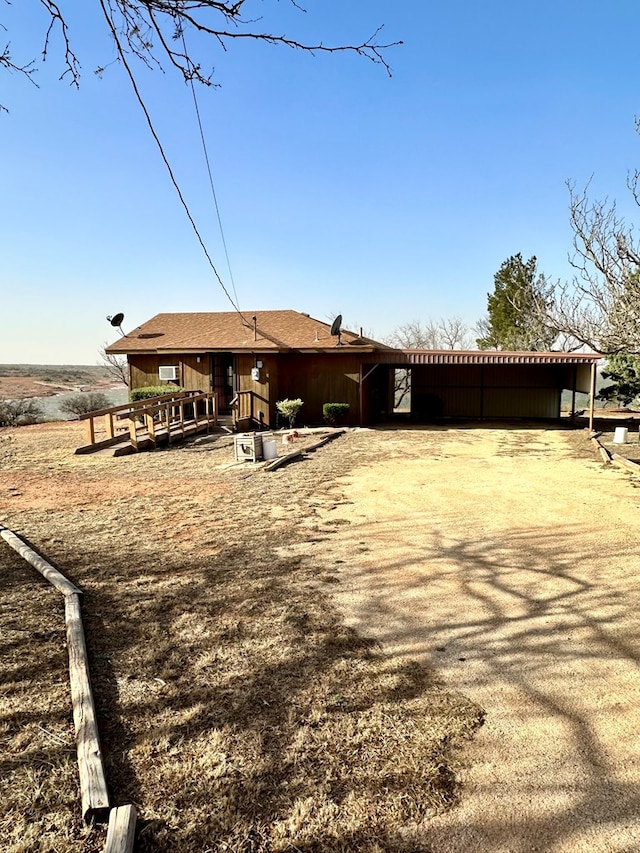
{"x":57,"y":21}
{"x":600,"y":307}
{"x":154,"y":32}
{"x":446,"y":333}
{"x":6,"y":61}
{"x":117,"y":365}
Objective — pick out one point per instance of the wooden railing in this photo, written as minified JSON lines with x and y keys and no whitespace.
{"x":244,"y":406}
{"x":168,"y":415}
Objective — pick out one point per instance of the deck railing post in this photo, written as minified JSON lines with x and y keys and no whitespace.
{"x":91,"y":433}
{"x":148,"y":417}
{"x":133,"y":433}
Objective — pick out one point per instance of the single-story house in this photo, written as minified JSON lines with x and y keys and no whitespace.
{"x":252,"y":360}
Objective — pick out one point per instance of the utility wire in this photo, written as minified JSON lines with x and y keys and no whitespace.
{"x":164,"y":158}
{"x":211,"y":184}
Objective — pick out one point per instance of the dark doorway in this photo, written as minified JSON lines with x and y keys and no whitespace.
{"x":222,"y":380}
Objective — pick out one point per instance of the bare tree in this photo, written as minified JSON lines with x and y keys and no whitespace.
{"x":600,"y":307}
{"x":117,"y":365}
{"x":446,"y":333}
{"x":156,"y":33}
{"x":454,"y":333}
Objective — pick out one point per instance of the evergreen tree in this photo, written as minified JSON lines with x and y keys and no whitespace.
{"x":516,"y":309}
{"x":624,"y":370}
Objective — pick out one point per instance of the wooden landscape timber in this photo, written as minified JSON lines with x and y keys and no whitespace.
{"x":604,"y":453}
{"x":45,"y":568}
{"x":299,"y":453}
{"x":325,"y":440}
{"x":283,"y":460}
{"x":93,"y":783}
{"x":615,"y":458}
{"x":122,"y":830}
{"x":623,"y":462}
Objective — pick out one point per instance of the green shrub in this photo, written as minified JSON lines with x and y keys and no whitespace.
{"x":152,"y":391}
{"x":335,"y":412}
{"x":20,"y":412}
{"x":289,"y":409}
{"x":82,"y":404}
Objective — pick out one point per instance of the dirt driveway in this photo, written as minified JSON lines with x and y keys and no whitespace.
{"x":509,"y":559}
{"x":506,"y":560}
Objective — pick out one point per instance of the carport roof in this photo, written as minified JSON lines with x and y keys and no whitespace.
{"x":422,"y":356}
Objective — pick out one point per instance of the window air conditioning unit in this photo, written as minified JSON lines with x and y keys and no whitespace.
{"x":168,"y":372}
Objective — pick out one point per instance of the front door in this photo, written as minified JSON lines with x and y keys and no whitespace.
{"x":222,"y":380}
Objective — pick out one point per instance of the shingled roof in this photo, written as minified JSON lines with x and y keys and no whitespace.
{"x":277,"y":331}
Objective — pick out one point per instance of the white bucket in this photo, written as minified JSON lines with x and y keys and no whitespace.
{"x":620,"y":435}
{"x":269,"y":448}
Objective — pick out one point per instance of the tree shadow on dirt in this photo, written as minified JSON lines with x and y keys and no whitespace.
{"x":239,"y":713}
{"x":240,"y":689}
{"x":528,"y":614}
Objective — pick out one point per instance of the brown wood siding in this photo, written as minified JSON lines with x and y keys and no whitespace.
{"x":264,"y":404}
{"x":194,"y":374}
{"x":144,"y":370}
{"x":319,"y":379}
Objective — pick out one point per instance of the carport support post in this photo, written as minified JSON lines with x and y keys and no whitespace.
{"x":592,"y":394}
{"x":362,"y":378}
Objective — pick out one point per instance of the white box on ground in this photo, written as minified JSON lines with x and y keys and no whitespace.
{"x":248,"y":447}
{"x":620,"y":435}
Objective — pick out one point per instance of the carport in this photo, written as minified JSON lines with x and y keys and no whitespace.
{"x":476,"y":384}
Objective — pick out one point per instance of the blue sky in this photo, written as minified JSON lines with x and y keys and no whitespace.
{"x":341,"y":189}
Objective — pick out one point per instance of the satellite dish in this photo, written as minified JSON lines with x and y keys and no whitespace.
{"x":336,"y":331}
{"x":116,"y":321}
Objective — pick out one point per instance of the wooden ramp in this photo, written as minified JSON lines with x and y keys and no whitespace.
{"x":146,"y":424}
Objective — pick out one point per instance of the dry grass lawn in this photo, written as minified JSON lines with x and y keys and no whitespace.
{"x":236,"y":709}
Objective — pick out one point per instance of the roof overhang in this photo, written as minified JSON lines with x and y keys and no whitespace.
{"x":118,"y":349}
{"x":414,"y":356}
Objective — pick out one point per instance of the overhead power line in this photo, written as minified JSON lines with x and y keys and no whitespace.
{"x":156,"y":138}
{"x":209,"y":172}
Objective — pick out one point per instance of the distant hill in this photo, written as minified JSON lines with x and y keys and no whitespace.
{"x":21,"y":381}
{"x":64,"y":374}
